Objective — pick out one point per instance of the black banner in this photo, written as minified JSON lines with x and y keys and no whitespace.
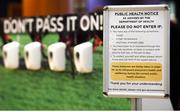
{"x":67,"y":23}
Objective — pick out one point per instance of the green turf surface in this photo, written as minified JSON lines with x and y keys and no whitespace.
{"x":45,"y":89}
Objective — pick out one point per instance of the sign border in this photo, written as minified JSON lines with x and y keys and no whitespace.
{"x":106,"y":66}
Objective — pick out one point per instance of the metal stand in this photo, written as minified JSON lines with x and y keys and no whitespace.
{"x":136,"y":104}
{"x":151,"y":104}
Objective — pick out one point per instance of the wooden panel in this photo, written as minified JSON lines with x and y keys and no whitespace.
{"x":45,"y":7}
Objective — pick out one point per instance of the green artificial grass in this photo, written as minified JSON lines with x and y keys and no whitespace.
{"x":45,"y":89}
{"x":50,"y":39}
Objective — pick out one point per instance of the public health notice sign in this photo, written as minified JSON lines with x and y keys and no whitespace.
{"x":136,"y":51}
